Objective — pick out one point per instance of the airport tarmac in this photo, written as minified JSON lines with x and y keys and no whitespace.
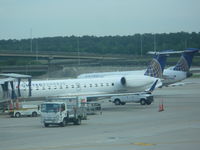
{"x":127,"y":127}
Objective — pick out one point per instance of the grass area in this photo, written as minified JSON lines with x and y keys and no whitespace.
{"x":195,"y":76}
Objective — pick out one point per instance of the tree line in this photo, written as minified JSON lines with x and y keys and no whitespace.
{"x":138,"y":44}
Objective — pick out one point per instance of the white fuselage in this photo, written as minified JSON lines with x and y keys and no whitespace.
{"x":173,"y":76}
{"x":91,"y":86}
{"x":170,"y":76}
{"x":104,"y":74}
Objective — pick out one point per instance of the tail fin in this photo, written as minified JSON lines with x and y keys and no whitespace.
{"x":152,"y":88}
{"x":185,"y":61}
{"x":157,"y":65}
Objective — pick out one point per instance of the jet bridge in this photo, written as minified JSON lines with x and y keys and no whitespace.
{"x":11,"y":77}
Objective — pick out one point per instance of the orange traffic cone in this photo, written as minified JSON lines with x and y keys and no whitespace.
{"x":161,"y":106}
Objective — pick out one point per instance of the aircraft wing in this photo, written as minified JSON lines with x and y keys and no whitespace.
{"x":94,"y":96}
{"x":183,"y":83}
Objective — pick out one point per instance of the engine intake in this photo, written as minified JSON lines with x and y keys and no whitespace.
{"x":123,"y":81}
{"x":135,"y":81}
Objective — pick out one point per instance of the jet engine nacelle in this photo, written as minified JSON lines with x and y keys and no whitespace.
{"x":134,"y":81}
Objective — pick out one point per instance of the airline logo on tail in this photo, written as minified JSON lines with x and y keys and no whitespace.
{"x":186,"y":60}
{"x":157,"y":65}
{"x":154,"y":69}
{"x":182,"y":65}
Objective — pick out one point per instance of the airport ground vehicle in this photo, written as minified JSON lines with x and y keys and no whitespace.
{"x":25,"y":110}
{"x":61,"y":112}
{"x":93,"y":108}
{"x":142,"y":98}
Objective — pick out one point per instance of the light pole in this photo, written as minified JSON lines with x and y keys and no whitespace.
{"x":154,"y":42}
{"x":78,"y":51}
{"x":141,"y":46}
{"x":31,"y":42}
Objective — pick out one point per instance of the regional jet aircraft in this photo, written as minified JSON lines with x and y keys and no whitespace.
{"x":180,"y":71}
{"x":171,"y":75}
{"x":78,"y":87}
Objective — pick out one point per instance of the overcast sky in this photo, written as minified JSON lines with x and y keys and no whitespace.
{"x":96,"y":17}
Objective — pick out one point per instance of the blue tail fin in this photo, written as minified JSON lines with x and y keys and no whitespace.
{"x":157,"y":65}
{"x":185,"y":61}
{"x":153,"y":86}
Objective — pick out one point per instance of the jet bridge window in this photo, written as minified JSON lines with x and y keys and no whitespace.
{"x":107,"y":84}
{"x":66,"y":86}
{"x":101,"y":84}
{"x":96,"y":85}
{"x":72,"y":86}
{"x":90,"y":85}
{"x":113,"y":84}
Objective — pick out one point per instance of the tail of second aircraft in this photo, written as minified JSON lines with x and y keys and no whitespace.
{"x":185,"y":61}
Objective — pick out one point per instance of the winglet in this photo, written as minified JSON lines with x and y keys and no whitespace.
{"x":152,"y":88}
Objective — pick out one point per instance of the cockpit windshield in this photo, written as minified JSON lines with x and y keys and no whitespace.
{"x":50,"y":107}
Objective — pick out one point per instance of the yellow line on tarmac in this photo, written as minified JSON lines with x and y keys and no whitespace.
{"x":144,"y":144}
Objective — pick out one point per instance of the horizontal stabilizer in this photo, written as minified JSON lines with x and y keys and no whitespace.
{"x":166,"y":52}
